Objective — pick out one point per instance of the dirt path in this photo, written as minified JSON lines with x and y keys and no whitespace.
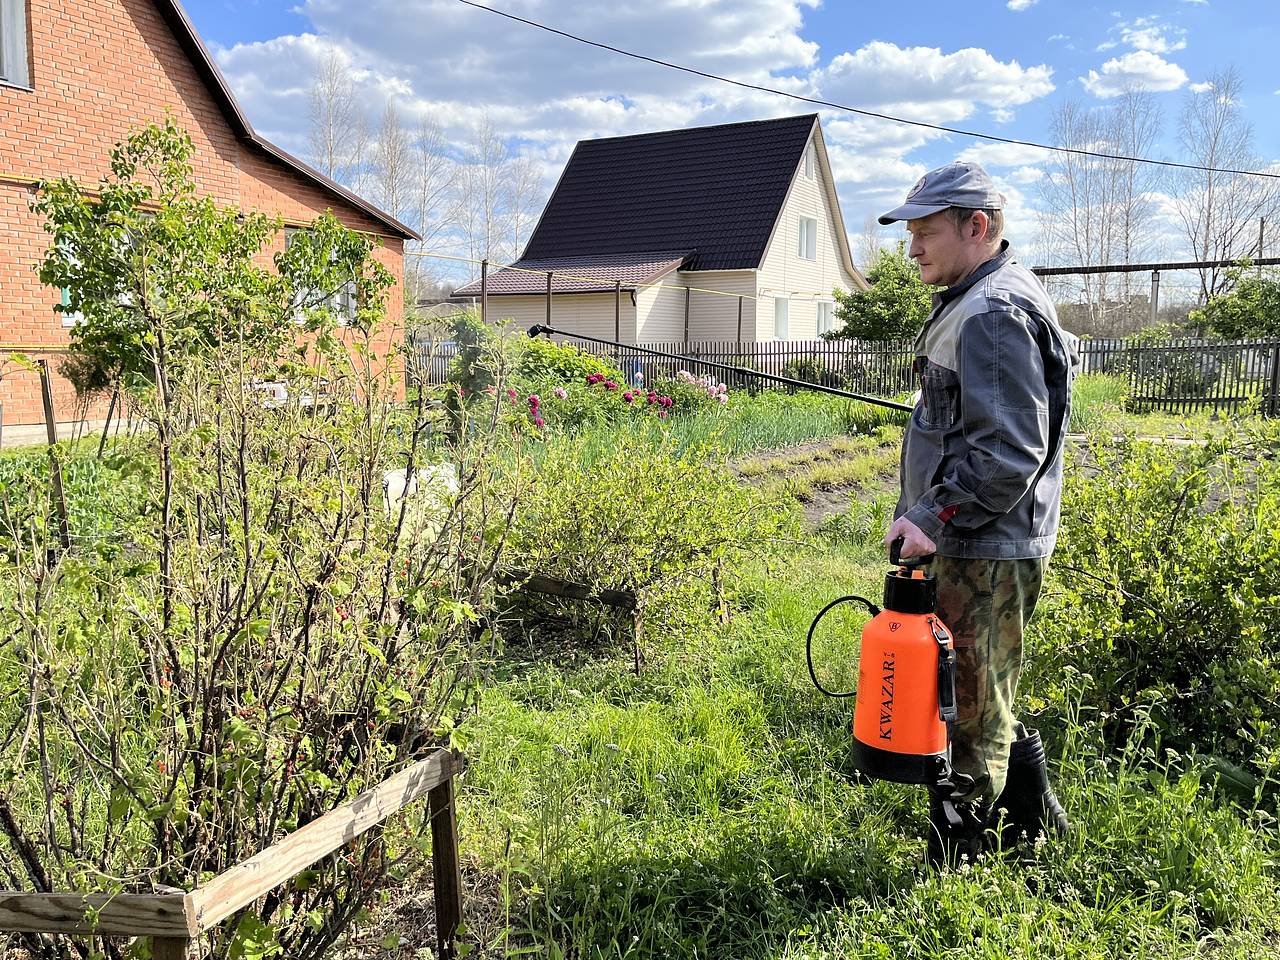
{"x":823,"y":476}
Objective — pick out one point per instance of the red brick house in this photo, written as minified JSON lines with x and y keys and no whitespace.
{"x":75,"y":77}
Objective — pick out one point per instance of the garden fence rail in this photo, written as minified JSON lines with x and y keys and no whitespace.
{"x":1177,"y":377}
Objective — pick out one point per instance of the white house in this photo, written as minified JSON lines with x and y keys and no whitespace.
{"x":730,"y":232}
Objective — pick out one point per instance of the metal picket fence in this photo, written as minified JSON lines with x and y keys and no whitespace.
{"x":1182,"y":376}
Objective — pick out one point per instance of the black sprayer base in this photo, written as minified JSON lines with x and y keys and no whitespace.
{"x":915,"y":768}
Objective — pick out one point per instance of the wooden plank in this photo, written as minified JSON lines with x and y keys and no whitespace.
{"x":446,"y":868}
{"x":250,"y":879}
{"x":555,"y":587}
{"x":132,"y":915}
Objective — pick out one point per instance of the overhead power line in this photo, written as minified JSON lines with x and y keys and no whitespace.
{"x":1076,"y":151}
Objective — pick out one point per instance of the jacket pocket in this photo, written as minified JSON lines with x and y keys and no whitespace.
{"x":939,"y":397}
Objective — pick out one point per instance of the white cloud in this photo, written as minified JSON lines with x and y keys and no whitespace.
{"x":1019,"y":5}
{"x":1058,"y":36}
{"x":1148,"y":33}
{"x":994,"y":156}
{"x":438,"y":59}
{"x":1139,"y":69}
{"x":1204,"y":87}
{"x":925,"y":83}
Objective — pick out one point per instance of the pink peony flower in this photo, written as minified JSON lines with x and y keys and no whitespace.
{"x":653,"y":397}
{"x":610,"y":385}
{"x":723,"y":398}
{"x":511,"y":393}
{"x":540,"y":422}
{"x":562,"y":393}
{"x":534,"y":400}
{"x":662,"y":414}
{"x":628,"y":396}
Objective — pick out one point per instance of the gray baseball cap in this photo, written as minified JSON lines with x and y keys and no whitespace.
{"x":957,"y":184}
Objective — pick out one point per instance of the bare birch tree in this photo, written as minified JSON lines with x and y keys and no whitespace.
{"x":392,"y":175}
{"x":338,"y":133}
{"x":1099,"y":211}
{"x":435,"y":203}
{"x":524,"y":200}
{"x":869,"y":244}
{"x":482,"y":194}
{"x":1220,"y":211}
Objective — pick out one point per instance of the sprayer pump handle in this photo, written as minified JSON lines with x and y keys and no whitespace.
{"x":896,"y":558}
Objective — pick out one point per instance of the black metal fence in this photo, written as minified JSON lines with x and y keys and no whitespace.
{"x":1183,"y":376}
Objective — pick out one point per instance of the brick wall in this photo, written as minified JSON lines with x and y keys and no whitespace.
{"x":101,"y":68}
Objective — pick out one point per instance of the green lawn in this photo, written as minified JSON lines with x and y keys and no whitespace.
{"x":704,"y":809}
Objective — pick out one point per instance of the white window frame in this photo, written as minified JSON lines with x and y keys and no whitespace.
{"x":13,"y":43}
{"x":826,"y":316}
{"x":810,"y":162}
{"x":807,"y":239}
{"x":343,"y":302}
{"x":781,"y":318}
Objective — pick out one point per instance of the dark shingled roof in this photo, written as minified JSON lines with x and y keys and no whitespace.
{"x":715,"y":190}
{"x":578,"y":274}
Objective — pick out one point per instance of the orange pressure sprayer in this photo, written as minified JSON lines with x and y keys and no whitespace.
{"x":906,"y":700}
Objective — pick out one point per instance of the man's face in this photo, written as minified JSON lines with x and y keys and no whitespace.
{"x":944,"y":254}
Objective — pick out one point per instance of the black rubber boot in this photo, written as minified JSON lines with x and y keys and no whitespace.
{"x":958,"y":830}
{"x":1028,"y":807}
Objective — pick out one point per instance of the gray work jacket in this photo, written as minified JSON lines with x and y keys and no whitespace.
{"x":982,"y":455}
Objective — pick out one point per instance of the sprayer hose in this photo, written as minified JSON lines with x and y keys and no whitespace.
{"x":808,"y":643}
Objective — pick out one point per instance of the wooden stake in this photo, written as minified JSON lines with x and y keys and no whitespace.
{"x":445,"y":868}
{"x":169,"y":948}
{"x":51,"y":431}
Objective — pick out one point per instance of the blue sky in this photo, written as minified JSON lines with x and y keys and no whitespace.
{"x":997,"y":66}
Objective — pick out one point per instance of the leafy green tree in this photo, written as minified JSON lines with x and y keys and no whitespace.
{"x":896,"y":306}
{"x":1251,"y":309}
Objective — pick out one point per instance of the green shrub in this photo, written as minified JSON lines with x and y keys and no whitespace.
{"x":633,"y":512}
{"x":1167,"y":593}
{"x":478,"y":343}
{"x":543,"y":363}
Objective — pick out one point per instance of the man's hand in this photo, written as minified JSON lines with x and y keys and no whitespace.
{"x":914,"y":541}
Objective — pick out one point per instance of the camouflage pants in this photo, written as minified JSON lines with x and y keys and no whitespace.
{"x":986,"y":604}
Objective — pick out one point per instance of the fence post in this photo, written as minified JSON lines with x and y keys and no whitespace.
{"x":617,"y":313}
{"x":687,"y":291}
{"x":1155,"y":295}
{"x":549,"y":276}
{"x":484,"y":291}
{"x":169,"y":948}
{"x":1273,"y":404}
{"x":445,"y":867}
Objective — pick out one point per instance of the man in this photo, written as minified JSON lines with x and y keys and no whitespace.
{"x":981,"y":486}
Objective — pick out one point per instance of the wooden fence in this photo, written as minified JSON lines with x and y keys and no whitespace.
{"x":1182,"y":376}
{"x":174,"y":920}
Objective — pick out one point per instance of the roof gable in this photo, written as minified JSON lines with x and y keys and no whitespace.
{"x":193,"y":46}
{"x":715,"y":190}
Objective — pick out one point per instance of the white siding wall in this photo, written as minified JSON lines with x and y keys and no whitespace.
{"x":715,"y":317}
{"x":587,"y":313}
{"x":785,"y":273}
{"x":661,"y":311}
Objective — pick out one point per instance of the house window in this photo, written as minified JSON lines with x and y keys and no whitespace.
{"x":826,"y":316}
{"x":781,"y":318}
{"x":13,"y":42}
{"x":807,"y":249}
{"x":343,"y":303}
{"x":808,"y":162}
{"x":69,"y":319}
